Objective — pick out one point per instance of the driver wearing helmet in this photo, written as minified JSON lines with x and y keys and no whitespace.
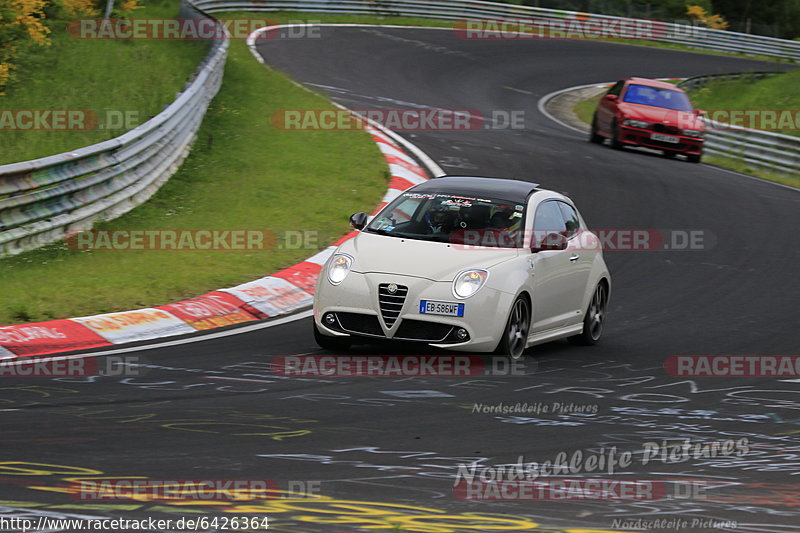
{"x":440,"y":219}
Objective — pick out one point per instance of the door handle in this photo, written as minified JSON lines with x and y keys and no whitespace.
{"x":575,"y":257}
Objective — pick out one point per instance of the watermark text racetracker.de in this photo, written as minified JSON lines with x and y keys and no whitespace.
{"x":182,"y":29}
{"x":132,"y":240}
{"x":70,"y":367}
{"x":580,"y":27}
{"x":726,"y":366}
{"x":69,"y":119}
{"x":423,"y":366}
{"x":398,"y":119}
{"x":622,"y":239}
{"x":577,"y":489}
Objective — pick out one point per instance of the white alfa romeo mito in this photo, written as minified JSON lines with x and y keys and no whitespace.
{"x":469,"y":264}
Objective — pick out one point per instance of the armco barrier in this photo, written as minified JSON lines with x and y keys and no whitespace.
{"x":695,"y":82}
{"x":278,"y":294}
{"x":43,"y":199}
{"x":688,"y":35}
{"x":763,"y":150}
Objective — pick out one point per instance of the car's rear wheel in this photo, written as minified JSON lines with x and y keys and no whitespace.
{"x":694,"y":158}
{"x":515,"y":334}
{"x":594,"y":319}
{"x":594,"y":136}
{"x":615,"y":142}
{"x":333,"y":344}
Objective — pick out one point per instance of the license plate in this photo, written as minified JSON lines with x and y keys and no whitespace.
{"x":664,"y":138}
{"x":429,"y":307}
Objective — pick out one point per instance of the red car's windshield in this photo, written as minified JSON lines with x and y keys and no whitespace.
{"x":657,"y":97}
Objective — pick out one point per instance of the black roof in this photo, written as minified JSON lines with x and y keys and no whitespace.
{"x":499,"y":188}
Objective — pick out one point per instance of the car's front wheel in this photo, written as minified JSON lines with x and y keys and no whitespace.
{"x":594,"y":319}
{"x":695,"y":158}
{"x":615,"y":142}
{"x":333,"y":344}
{"x":594,"y":136}
{"x":515,"y":334}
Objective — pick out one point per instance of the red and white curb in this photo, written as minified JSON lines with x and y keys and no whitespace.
{"x":271,"y":296}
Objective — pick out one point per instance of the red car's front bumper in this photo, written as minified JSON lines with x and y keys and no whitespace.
{"x":641,"y":137}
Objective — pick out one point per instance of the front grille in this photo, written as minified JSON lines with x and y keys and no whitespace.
{"x":360,"y":324}
{"x":662,"y":144}
{"x":419,"y":330}
{"x":663,"y":128}
{"x":391,"y":303}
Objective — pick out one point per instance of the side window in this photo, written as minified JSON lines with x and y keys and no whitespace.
{"x":548,"y":220}
{"x":571,"y":220}
{"x":617,"y":88}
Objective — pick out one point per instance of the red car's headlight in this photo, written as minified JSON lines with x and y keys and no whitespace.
{"x":695,"y":133}
{"x":635,"y":123}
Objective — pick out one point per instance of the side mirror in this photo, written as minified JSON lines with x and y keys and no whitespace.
{"x":552,"y":241}
{"x":610,"y":98}
{"x":358,"y":221}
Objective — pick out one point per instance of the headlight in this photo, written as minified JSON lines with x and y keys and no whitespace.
{"x":694,"y":133}
{"x":339,"y":268}
{"x":635,"y":123}
{"x":468,"y":282}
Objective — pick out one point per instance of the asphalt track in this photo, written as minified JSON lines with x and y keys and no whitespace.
{"x":215,"y":409}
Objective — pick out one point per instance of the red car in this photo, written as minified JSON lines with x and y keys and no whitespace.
{"x":649,"y":113}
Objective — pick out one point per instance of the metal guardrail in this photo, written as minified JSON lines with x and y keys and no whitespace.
{"x":688,"y":35}
{"x":695,"y":82}
{"x":764,"y":150}
{"x":44,"y":199}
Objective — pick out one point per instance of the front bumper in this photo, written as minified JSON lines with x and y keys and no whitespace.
{"x":352,"y":308}
{"x":641,"y":137}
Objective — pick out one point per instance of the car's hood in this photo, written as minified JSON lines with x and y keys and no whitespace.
{"x":685,"y":120}
{"x":436,"y":261}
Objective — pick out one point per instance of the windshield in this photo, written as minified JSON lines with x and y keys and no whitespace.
{"x":656,"y":97}
{"x":446,"y":217}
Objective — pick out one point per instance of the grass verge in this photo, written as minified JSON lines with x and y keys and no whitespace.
{"x":742,"y":166}
{"x":585,"y":108}
{"x":775,"y":93}
{"x":242,"y":174}
{"x":109,"y":77}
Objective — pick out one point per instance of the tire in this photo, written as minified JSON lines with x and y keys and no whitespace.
{"x":594,"y":319}
{"x":668,"y":154}
{"x":515,"y":333}
{"x":615,"y":142}
{"x":694,"y":158}
{"x":334,"y":344}
{"x":595,"y":137}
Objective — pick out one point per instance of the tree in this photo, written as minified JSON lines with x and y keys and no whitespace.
{"x":22,"y":25}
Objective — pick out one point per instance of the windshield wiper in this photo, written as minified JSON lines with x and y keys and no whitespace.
{"x":387,"y":233}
